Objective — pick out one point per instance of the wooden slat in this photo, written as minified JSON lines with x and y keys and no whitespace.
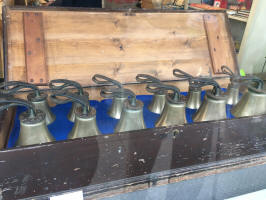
{"x":216,"y":33}
{"x":36,"y":68}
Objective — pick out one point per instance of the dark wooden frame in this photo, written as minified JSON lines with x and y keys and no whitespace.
{"x":111,"y":164}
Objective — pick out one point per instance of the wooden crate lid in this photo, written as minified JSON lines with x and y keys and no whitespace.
{"x":44,"y":44}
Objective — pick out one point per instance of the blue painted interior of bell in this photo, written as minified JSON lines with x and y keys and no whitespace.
{"x":62,"y":126}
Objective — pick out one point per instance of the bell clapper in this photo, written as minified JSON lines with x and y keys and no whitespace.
{"x":85,"y":116}
{"x":117,"y":100}
{"x":158,"y":99}
{"x":37,"y":98}
{"x":59,"y":84}
{"x":33,"y":129}
{"x":174,"y":110}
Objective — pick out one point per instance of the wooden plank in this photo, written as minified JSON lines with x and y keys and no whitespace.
{"x":114,"y":44}
{"x":220,"y":53}
{"x":95,"y":164}
{"x":36,"y":68}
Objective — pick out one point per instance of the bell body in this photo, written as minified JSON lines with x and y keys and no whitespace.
{"x":253,"y":102}
{"x":42,"y":104}
{"x":131,"y":118}
{"x":34,"y":130}
{"x":173,"y":114}
{"x":85,"y":125}
{"x":212,"y":108}
{"x":232,"y":94}
{"x":157,"y":103}
{"x":194,"y":98}
{"x":71,"y":113}
{"x":116,"y":107}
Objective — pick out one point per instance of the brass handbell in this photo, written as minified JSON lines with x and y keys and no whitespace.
{"x":213,"y":106}
{"x":236,"y":81}
{"x":85,"y":115}
{"x":132,"y":112}
{"x":37,"y":98}
{"x":174,"y":112}
{"x":33,"y":129}
{"x":118,"y":100}
{"x":253,"y":101}
{"x":59,"y":84}
{"x":158,"y":99}
{"x":194,"y":90}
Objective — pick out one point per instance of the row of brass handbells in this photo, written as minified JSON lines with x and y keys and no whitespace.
{"x":126,"y":107}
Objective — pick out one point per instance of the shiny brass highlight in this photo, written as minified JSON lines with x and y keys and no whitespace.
{"x":212,"y":108}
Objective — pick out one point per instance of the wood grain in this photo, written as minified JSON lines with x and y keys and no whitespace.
{"x":34,"y":48}
{"x":220,"y":53}
{"x":115,"y":44}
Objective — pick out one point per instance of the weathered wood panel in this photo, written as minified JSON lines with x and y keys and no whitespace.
{"x":118,"y":163}
{"x":117,"y":44}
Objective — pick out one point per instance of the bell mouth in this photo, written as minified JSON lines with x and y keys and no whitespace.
{"x":79,"y":112}
{"x":255,"y":90}
{"x":210,"y":95}
{"x":33,"y":98}
{"x":27,"y":119}
{"x":129,"y":106}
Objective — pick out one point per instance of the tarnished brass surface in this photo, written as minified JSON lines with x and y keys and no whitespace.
{"x":212,"y":108}
{"x":116,"y":107}
{"x":194,"y":98}
{"x":85,"y":125}
{"x":157,"y":103}
{"x":252,"y":103}
{"x":173,"y":114}
{"x":33,"y":130}
{"x":131,"y":117}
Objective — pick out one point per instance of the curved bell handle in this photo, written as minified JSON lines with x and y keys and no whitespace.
{"x":104,"y":80}
{"x":201,"y":82}
{"x":11,"y":102}
{"x":259,"y":82}
{"x":16,"y":86}
{"x":71,"y":97}
{"x":155,"y":87}
{"x":181,"y":74}
{"x":65,"y":83}
{"x":226,"y":70}
{"x":145,"y":78}
{"x":115,"y":92}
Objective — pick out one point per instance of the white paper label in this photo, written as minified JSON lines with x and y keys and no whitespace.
{"x":259,"y":195}
{"x":77,"y":195}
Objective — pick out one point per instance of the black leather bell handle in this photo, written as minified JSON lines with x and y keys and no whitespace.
{"x":145,"y":78}
{"x":226,"y":70}
{"x":16,"y":86}
{"x":181,"y":74}
{"x":155,"y":87}
{"x":71,"y":97}
{"x":104,"y":80}
{"x":11,"y":102}
{"x":59,"y":84}
{"x":117,"y":92}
